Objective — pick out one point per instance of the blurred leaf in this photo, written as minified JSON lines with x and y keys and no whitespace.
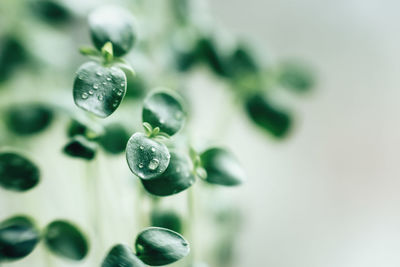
{"x":18,"y":238}
{"x":181,"y":10}
{"x":115,"y":25}
{"x":114,"y":138}
{"x":222,"y":167}
{"x":207,"y":51}
{"x":12,"y":55}
{"x":121,"y":256}
{"x":27,"y":119}
{"x":296,"y":76}
{"x":264,"y":115}
{"x":166,"y":219}
{"x":66,"y":240}
{"x":52,"y":12}
{"x":76,"y":128}
{"x":159,"y":246}
{"x":242,"y":62}
{"x":177,"y":177}
{"x":136,"y":84}
{"x":79,"y":147}
{"x":17,"y":173}
{"x":99,"y":89}
{"x":164,"y":109}
{"x":146,"y":158}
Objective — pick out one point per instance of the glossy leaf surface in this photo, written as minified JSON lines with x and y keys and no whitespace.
{"x":99,"y":89}
{"x":122,"y":256}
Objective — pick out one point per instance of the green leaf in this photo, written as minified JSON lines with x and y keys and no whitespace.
{"x":107,"y":52}
{"x":163,"y":109}
{"x":146,"y":158}
{"x":296,"y":76}
{"x":267,"y":117}
{"x":17,"y":173}
{"x":18,"y":238}
{"x":115,"y":25}
{"x":13,"y":54}
{"x":159,"y":246}
{"x":114,"y":138}
{"x":79,"y":147}
{"x":166,"y":219}
{"x":242,"y":62}
{"x":222,"y":167}
{"x":99,"y":89}
{"x":89,"y":51}
{"x":66,"y":240}
{"x":175,"y":179}
{"x":28,"y":119}
{"x":208,"y":52}
{"x":122,"y":255}
{"x":51,"y":11}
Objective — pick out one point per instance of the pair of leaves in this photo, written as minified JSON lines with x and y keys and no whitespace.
{"x":19,"y":237}
{"x":17,"y":173}
{"x":154,"y":246}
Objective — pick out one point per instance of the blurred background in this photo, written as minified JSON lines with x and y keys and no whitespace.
{"x":326,"y":195}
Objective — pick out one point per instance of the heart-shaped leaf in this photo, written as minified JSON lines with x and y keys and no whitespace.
{"x":26,"y":119}
{"x":159,"y":246}
{"x":79,"y":147}
{"x":17,"y":173}
{"x":222,"y":167}
{"x":114,"y":138}
{"x":166,"y":219}
{"x":66,"y":240}
{"x":115,"y":25}
{"x":99,"y":89}
{"x":18,"y":238}
{"x":163,"y":109}
{"x":175,"y":179}
{"x":122,"y":255}
{"x":146,"y":157}
{"x":266,"y":116}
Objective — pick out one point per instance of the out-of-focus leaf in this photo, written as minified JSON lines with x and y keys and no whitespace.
{"x":79,"y":147}
{"x":166,"y":219}
{"x":122,"y":256}
{"x":51,"y":11}
{"x":296,"y":76}
{"x":12,"y":55}
{"x":114,"y":138}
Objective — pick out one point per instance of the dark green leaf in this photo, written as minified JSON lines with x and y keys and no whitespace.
{"x":18,"y":238}
{"x":12,"y":55}
{"x":115,"y":25}
{"x":296,"y":76}
{"x":17,"y":173}
{"x":159,"y":246}
{"x":146,"y":158}
{"x":163,"y":109}
{"x":242,"y":62}
{"x":51,"y":11}
{"x":166,"y":219}
{"x":27,"y":119}
{"x":222,"y":167}
{"x":175,"y":179}
{"x":66,"y":240}
{"x":79,"y":147}
{"x":76,"y":128}
{"x":207,"y":51}
{"x":266,"y":116}
{"x":99,"y":89}
{"x":122,"y":256}
{"x":114,"y":138}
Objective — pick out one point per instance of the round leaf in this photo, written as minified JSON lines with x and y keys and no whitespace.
{"x":13,"y":54}
{"x":51,"y":11}
{"x":99,"y":89}
{"x":164,"y":110}
{"x":121,"y":255}
{"x":266,"y":116}
{"x":146,"y":157}
{"x":222,"y":167}
{"x":159,"y":246}
{"x":17,"y":173}
{"x":115,"y":25}
{"x":175,"y":179}
{"x":79,"y":147}
{"x":114,"y":139}
{"x":166,"y":219}
{"x":66,"y":240}
{"x":18,"y":238}
{"x":26,"y":119}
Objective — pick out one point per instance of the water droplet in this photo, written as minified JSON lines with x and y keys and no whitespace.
{"x":99,"y":73}
{"x":122,"y":84}
{"x":90,"y":92}
{"x":154,"y":164}
{"x":115,"y":104}
{"x":168,"y":156}
{"x":119,"y":93}
{"x":162,"y":121}
{"x":104,"y":83}
{"x":108,"y":79}
{"x":141,"y":147}
{"x":153,"y":149}
{"x":85,"y":95}
{"x":100,"y":97}
{"x":140,"y":165}
{"x":95,"y":86}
